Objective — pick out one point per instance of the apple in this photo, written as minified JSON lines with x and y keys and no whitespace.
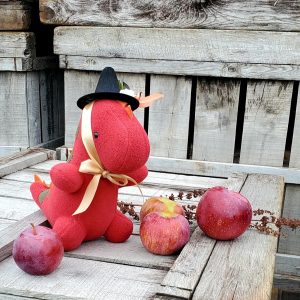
{"x":38,"y":250}
{"x":223,"y":214}
{"x":160,"y":204}
{"x":164,"y":234}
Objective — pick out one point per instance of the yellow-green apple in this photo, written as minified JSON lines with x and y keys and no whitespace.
{"x":38,"y":250}
{"x":164,"y":233}
{"x":160,"y":204}
{"x":223,"y":214}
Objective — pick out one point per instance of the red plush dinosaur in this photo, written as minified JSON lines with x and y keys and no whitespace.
{"x":110,"y":150}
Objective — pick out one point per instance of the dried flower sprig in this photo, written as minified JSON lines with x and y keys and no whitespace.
{"x":268,"y":223}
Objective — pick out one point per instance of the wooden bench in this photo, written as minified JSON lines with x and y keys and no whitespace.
{"x":205,"y":268}
{"x":31,"y":85}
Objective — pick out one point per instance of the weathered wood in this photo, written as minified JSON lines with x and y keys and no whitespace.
{"x":23,"y":160}
{"x":15,"y":16}
{"x":266,"y":122}
{"x":168,"y":127}
{"x":286,"y":282}
{"x":244,"y":268}
{"x":289,"y":241}
{"x":174,"y":44}
{"x":132,"y":253}
{"x":83,"y":279}
{"x":284,"y":295}
{"x":177,"y":67}
{"x":287,"y":264}
{"x":33,"y":106}
{"x":183,"y":277}
{"x":295,"y":151}
{"x":207,"y":168}
{"x":215,"y":120}
{"x":9,"y":234}
{"x":17,"y":44}
{"x":256,"y":15}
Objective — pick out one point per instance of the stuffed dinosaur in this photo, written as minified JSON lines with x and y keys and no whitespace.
{"x":110,"y":151}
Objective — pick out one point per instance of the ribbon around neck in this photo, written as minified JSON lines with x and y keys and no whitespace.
{"x":93,"y":165}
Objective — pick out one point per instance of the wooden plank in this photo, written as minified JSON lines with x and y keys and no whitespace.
{"x":295,"y":151}
{"x":287,"y":264}
{"x":183,"y":277}
{"x":77,"y":84}
{"x":168,"y":127}
{"x":206,"y":168}
{"x":11,"y":188}
{"x":17,"y":44}
{"x":286,"y":282}
{"x":215,"y":119}
{"x":9,"y":234}
{"x":266,"y":122}
{"x":177,"y":44}
{"x":23,"y":160}
{"x":177,"y":67}
{"x":7,"y":64}
{"x":289,"y":241}
{"x":33,"y":108}
{"x":15,"y":17}
{"x":83,"y":279}
{"x":285,"y":295}
{"x":132,"y":253}
{"x":4,"y":223}
{"x":16,"y":208}
{"x":256,"y":15}
{"x":12,"y":90}
{"x":227,"y":278}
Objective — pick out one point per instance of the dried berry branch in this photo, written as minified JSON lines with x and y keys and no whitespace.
{"x":268,"y":223}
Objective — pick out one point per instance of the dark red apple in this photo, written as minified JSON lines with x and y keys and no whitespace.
{"x":223,"y":214}
{"x":164,"y":234}
{"x":38,"y":250}
{"x":160,"y":204}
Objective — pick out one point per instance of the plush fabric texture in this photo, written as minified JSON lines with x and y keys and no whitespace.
{"x":123,"y":148}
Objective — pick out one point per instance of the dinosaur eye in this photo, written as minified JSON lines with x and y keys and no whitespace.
{"x":96,"y":134}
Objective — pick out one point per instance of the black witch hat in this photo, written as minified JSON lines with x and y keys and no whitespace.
{"x":108,"y":87}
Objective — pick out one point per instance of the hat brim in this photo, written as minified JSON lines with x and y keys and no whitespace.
{"x":84,"y":100}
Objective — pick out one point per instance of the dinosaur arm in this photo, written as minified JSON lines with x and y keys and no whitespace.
{"x":138,"y":175}
{"x":66,"y":177}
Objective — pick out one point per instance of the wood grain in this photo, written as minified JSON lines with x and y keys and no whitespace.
{"x":15,"y":16}
{"x":266,"y":122}
{"x":132,"y":253}
{"x":177,"y":67}
{"x":175,"y":44}
{"x":17,"y":44}
{"x":287,"y":264}
{"x":83,"y":279}
{"x":215,"y":120}
{"x":247,"y":271}
{"x":256,"y":15}
{"x":289,"y":241}
{"x":288,"y":283}
{"x":207,"y":168}
{"x":183,"y":277}
{"x":295,"y":151}
{"x":168,"y":127}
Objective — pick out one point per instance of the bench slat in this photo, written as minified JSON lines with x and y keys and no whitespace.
{"x":215,"y":120}
{"x":169,"y":118}
{"x":232,"y":14}
{"x":266,"y":122}
{"x":229,"y":272}
{"x":177,"y":44}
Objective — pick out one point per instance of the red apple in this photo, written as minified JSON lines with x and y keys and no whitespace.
{"x":38,"y":250}
{"x":163,"y":233}
{"x":223,"y":214}
{"x":160,"y":204}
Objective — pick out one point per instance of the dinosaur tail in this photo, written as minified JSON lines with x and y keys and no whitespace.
{"x":39,"y":190}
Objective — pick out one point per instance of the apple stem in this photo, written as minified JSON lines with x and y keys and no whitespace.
{"x":33,"y":229}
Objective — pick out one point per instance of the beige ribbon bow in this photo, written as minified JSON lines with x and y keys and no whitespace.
{"x":93,"y":165}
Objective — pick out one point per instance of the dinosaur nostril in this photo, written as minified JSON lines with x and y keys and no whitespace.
{"x":96,"y":134}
